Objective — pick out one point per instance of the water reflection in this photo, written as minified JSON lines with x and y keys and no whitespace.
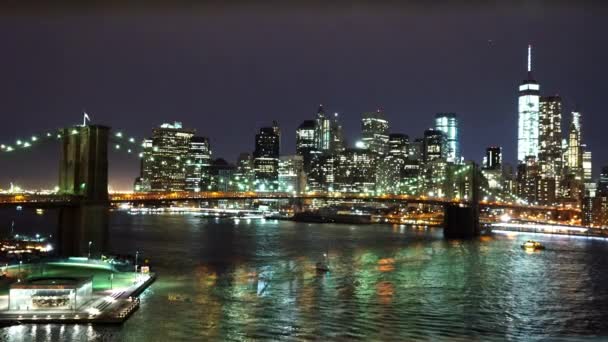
{"x":247,"y":280}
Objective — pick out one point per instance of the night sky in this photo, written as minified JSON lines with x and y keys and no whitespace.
{"x":228,"y":70}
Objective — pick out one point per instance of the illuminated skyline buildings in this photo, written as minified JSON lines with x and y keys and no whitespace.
{"x":574,"y":154}
{"x":305,"y":142}
{"x":322,"y":131}
{"x":292,"y":178}
{"x":170,"y":148}
{"x":528,"y":111}
{"x":337,"y":143}
{"x":550,"y":148}
{"x":198,"y":164}
{"x":390,"y":168}
{"x":355,"y":171}
{"x":434,"y":145}
{"x":550,"y":137}
{"x":448,"y":124}
{"x":374,"y":131}
{"x":266,"y":159}
{"x":493,"y":158}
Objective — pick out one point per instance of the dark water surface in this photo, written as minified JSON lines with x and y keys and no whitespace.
{"x":255,"y":280}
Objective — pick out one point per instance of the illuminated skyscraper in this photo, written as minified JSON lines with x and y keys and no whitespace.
{"x":493,"y":158}
{"x":550,"y":135}
{"x":448,"y":124}
{"x":170,"y":148}
{"x":587,"y":171}
{"x":322,"y":131}
{"x":337,"y":144}
{"x":292,"y":178}
{"x":266,"y":160}
{"x":244,"y":174}
{"x":374,"y":129}
{"x":355,"y":171}
{"x":492,"y":168}
{"x":434,"y":145}
{"x":197,"y":164}
{"x":549,"y":148}
{"x":305,"y":142}
{"x":389,"y":169}
{"x":528,"y":109}
{"x":574,"y":153}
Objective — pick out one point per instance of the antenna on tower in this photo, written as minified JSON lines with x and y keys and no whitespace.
{"x":529,"y":58}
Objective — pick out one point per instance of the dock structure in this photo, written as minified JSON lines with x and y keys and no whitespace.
{"x":103,"y":307}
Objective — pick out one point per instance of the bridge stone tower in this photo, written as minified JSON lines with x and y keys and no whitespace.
{"x":83,"y":169}
{"x":462,"y":222}
{"x":83,"y":173}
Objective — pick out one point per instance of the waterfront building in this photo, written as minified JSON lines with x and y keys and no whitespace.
{"x":321,"y":176}
{"x":244,"y":174}
{"x":291,"y":174}
{"x":146,"y":160}
{"x":48,"y":294}
{"x":390,"y":168}
{"x":197,"y":164}
{"x":374,"y":129}
{"x":222,"y":174}
{"x":165,"y":163}
{"x":448,"y":124}
{"x":266,"y":160}
{"x":355,"y":171}
{"x":305,"y":143}
{"x":528,"y":111}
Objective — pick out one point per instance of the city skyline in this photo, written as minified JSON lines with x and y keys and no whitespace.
{"x":410,"y":89}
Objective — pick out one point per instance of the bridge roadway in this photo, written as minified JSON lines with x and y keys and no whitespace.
{"x":55,"y":201}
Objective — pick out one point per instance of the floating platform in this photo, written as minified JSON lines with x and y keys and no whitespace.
{"x":105,"y":307}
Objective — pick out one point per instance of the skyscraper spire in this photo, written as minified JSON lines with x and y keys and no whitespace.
{"x":529,"y":58}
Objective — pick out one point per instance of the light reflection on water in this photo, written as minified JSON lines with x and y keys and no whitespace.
{"x":223,"y":280}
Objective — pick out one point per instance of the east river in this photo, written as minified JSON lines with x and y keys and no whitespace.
{"x":247,"y":280}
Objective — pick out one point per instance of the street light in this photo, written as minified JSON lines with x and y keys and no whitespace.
{"x":136,"y":255}
{"x":90,"y":243}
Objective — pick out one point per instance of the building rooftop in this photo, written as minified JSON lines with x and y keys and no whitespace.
{"x":52,"y":283}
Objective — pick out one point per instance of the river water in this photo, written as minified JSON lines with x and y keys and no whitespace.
{"x":255,"y":280}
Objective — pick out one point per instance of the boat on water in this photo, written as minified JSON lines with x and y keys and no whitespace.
{"x":322,"y":266}
{"x":532,"y":245}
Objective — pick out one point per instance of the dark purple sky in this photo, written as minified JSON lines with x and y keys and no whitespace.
{"x":226,"y":71}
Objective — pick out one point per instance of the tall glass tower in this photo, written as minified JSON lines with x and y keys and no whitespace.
{"x":374,"y":129}
{"x":448,"y":124}
{"x":528,"y":109}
